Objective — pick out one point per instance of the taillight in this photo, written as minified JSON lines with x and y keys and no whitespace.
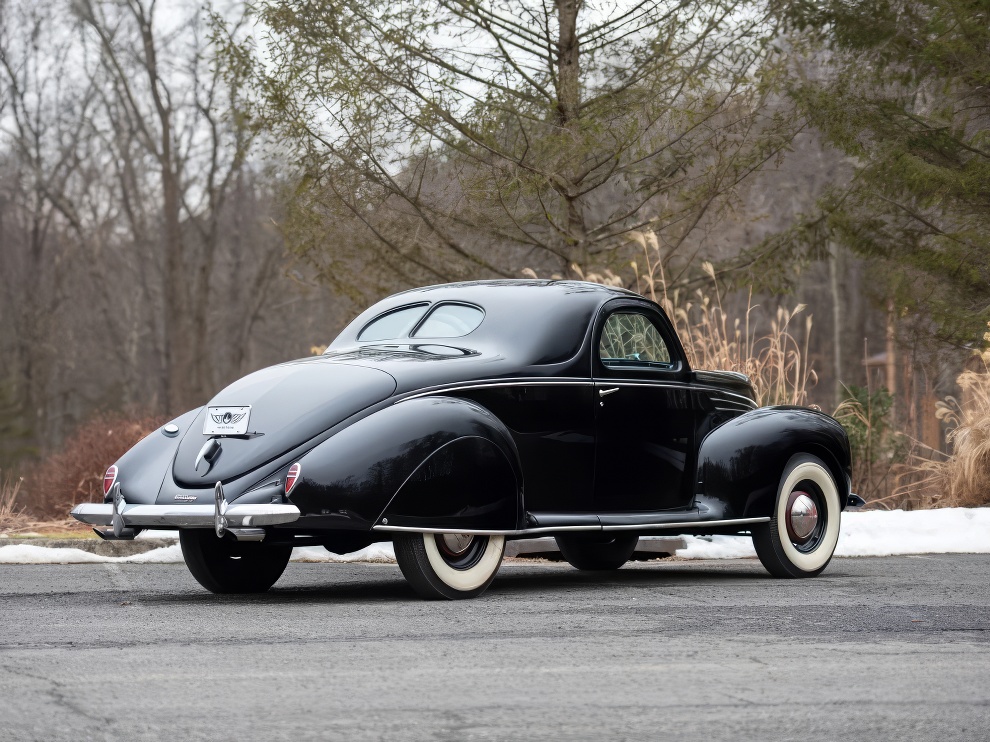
{"x":292,"y":477}
{"x":108,"y":479}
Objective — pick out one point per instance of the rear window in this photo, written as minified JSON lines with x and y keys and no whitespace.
{"x":450,"y":321}
{"x":395,"y":324}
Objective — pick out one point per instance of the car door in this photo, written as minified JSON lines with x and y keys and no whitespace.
{"x":645,"y":412}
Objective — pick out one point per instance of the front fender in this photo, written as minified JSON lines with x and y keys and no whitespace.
{"x":426,"y":462}
{"x":740,"y":463}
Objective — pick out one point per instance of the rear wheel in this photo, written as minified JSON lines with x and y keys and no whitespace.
{"x":223,"y":565}
{"x":448,"y":565}
{"x":597,"y":551}
{"x":802,"y":533}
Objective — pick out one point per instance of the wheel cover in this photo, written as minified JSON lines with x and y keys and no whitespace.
{"x":460,"y":551}
{"x":802,"y":516}
{"x":811,"y":552}
{"x":472,"y":567}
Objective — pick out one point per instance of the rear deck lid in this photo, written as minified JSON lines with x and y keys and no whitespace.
{"x":283,"y":406}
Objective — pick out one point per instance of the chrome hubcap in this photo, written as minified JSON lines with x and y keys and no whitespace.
{"x":802,"y":517}
{"x":456,"y":543}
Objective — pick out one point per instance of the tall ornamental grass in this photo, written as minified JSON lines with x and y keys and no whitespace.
{"x":766,"y":349}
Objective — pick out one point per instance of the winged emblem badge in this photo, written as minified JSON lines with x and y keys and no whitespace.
{"x":227,"y":418}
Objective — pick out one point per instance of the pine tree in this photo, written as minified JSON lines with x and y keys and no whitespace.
{"x":904,"y":90}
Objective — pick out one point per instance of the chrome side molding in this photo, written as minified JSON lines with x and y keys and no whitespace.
{"x":688,"y":524}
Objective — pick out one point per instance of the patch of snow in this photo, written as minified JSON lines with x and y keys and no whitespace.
{"x":890,"y":532}
{"x":380,"y":553}
{"x":157,"y":534}
{"x":717,"y":547}
{"x":30,"y":554}
{"x":877,"y":533}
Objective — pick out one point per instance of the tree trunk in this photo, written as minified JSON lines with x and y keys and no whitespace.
{"x":568,"y":109}
{"x":833,"y":279}
{"x":183,"y":385}
{"x":180,"y":366}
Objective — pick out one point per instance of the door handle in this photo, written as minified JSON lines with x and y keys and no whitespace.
{"x":606,"y":392}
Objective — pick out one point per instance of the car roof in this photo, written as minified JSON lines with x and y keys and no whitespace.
{"x":547,"y":287}
{"x":530,"y":316}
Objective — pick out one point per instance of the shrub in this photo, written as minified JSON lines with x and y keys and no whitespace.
{"x":75,"y":473}
{"x":877,"y":448}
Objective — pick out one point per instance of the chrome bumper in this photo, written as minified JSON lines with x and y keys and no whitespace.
{"x":186,"y":516}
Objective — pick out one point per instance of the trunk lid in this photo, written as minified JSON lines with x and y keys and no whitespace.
{"x":290,"y":404}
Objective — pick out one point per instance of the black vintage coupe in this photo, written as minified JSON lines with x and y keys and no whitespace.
{"x":451,"y":418}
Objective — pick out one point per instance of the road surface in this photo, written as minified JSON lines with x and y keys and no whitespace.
{"x":874,"y":649}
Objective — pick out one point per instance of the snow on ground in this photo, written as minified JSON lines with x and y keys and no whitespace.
{"x":878,"y":533}
{"x":31,"y":554}
{"x":381,"y":553}
{"x":872,"y":533}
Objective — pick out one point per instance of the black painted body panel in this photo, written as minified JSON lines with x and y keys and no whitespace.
{"x":502,"y":429}
{"x":290,"y":404}
{"x":741,"y":461}
{"x":369,"y":469}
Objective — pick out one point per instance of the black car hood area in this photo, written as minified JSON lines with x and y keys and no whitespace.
{"x":290,"y":404}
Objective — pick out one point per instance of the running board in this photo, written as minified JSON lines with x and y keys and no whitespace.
{"x":689,"y":525}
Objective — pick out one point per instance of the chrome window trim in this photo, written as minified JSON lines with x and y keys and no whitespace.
{"x":490,"y":384}
{"x":677,"y":385}
{"x":486,"y":384}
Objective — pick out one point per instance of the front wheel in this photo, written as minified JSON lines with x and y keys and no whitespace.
{"x":223,"y":565}
{"x":597,"y":551}
{"x":448,"y":565}
{"x":802,"y":533}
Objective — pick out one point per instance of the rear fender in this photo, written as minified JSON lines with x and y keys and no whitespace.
{"x":144,"y":467}
{"x":430,"y":462}
{"x":740,"y":463}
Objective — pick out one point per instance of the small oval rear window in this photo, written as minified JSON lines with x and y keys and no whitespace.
{"x":450,"y":321}
{"x":395,"y":324}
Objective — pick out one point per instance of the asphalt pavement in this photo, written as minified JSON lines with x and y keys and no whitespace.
{"x":875,"y":649}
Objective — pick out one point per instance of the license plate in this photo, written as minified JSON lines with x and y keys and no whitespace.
{"x":227,"y":420}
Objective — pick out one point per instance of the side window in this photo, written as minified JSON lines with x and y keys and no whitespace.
{"x":630,"y":339}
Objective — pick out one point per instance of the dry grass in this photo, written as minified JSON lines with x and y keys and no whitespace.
{"x":15,"y":520}
{"x":775,"y":361}
{"x":11,"y":513}
{"x":878,"y":451}
{"x":962,"y":478}
{"x":75,"y":474}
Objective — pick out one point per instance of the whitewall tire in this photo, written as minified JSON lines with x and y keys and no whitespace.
{"x":802,"y":533}
{"x":448,"y":566}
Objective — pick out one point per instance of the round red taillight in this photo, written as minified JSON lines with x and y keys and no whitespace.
{"x":292,"y":477}
{"x":108,"y":479}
